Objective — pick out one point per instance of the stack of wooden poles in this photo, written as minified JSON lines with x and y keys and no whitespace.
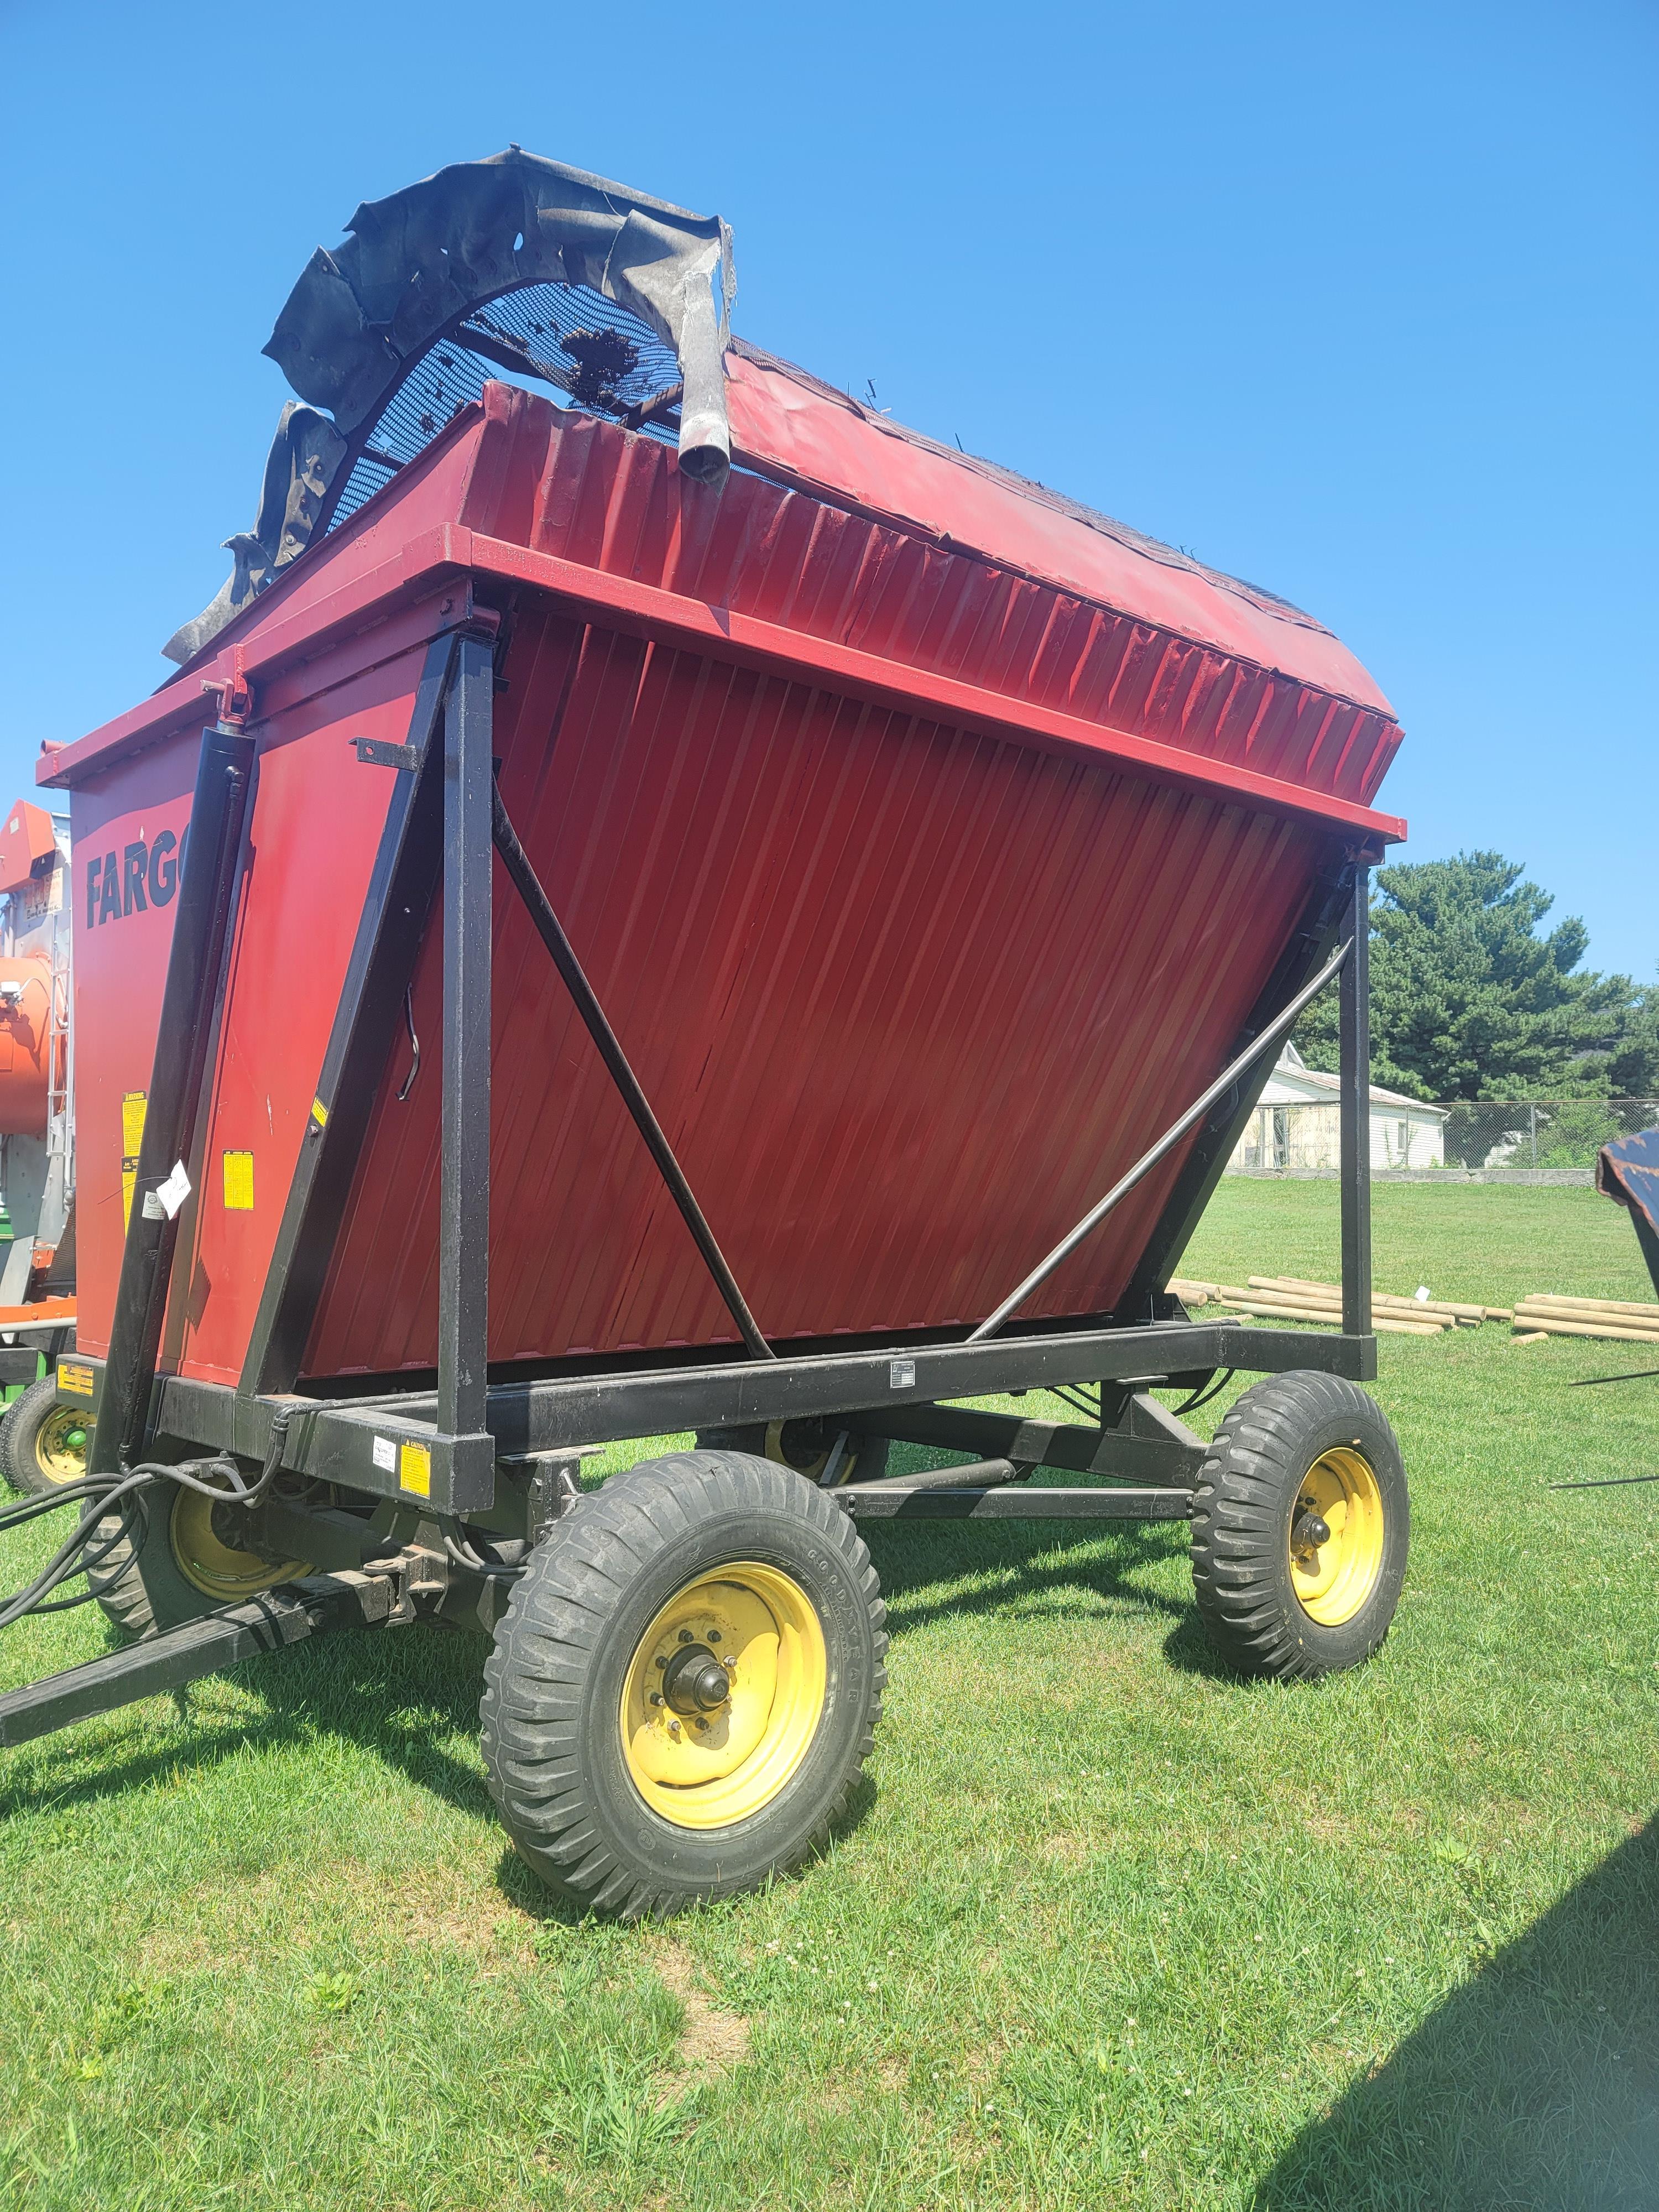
{"x":1291,"y":1297}
{"x":1542,"y":1313}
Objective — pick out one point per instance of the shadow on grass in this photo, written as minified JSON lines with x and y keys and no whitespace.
{"x":403,"y":1695}
{"x":1532,"y":2088}
{"x":1024,"y":1561}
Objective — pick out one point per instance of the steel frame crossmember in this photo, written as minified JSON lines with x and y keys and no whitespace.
{"x":892,"y":1387}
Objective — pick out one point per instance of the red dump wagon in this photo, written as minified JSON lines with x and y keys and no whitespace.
{"x":695,"y":909}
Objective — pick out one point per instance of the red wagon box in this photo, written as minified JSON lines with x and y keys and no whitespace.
{"x":774,"y":939}
{"x":928,"y":844}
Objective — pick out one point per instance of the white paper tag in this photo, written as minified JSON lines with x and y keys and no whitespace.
{"x":385,"y":1454}
{"x":173,"y":1192}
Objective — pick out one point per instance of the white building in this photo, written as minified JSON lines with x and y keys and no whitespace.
{"x":1298,"y":1125}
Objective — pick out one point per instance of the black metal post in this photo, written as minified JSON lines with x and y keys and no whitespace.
{"x":463,"y":1202}
{"x":200,"y":925}
{"x":1354,"y":1015}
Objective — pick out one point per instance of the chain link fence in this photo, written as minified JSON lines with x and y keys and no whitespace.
{"x":1303,"y":1136}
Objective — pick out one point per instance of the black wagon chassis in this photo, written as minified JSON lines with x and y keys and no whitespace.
{"x":440,"y":1447}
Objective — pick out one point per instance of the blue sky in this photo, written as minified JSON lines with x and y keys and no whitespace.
{"x":1356,"y":302}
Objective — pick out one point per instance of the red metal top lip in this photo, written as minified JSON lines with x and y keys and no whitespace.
{"x":353,"y":577}
{"x":625,"y":602}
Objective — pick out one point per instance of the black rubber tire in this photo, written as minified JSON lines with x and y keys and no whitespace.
{"x":20,"y":1433}
{"x":1243,"y":1505}
{"x":797,"y":1445}
{"x":552,"y":1746}
{"x":140,"y":1584}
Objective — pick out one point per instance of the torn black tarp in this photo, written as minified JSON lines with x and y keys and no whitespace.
{"x":416,"y":264}
{"x":304,"y":455}
{"x":1628,"y":1171}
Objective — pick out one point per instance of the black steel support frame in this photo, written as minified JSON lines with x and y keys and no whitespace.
{"x":444,"y":817}
{"x":359,"y":1443}
{"x":463,"y":1456}
{"x":1354,"y":1075}
{"x":179,"y":1076}
{"x":403,"y":886}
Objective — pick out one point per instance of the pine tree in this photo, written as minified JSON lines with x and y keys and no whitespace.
{"x":1470,"y":1000}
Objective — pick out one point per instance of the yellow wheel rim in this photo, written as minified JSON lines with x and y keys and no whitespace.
{"x":60,"y":1445}
{"x":217,"y":1570}
{"x":710,"y":1764}
{"x":1332,"y":1580}
{"x":811,"y":1468}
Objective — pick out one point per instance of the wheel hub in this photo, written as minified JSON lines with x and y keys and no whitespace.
{"x":222,"y":1569}
{"x":1336,"y":1536}
{"x":60,"y":1446}
{"x":723,"y":1695}
{"x":693,"y":1681}
{"x":1308,"y":1533}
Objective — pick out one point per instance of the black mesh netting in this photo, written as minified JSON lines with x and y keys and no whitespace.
{"x":562,"y":339}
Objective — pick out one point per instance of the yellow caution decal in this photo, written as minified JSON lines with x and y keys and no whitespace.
{"x":414,"y":1469}
{"x":133,"y":1121}
{"x":132,"y":1138}
{"x":319,"y":1113}
{"x":74,"y":1377}
{"x":239,"y":1181}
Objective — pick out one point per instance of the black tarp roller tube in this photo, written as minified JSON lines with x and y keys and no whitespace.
{"x":201,"y":919}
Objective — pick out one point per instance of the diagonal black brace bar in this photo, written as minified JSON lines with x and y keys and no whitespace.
{"x":539,"y":907}
{"x":1252,"y":1054}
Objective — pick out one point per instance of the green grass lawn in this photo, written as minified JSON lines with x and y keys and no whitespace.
{"x":1108,"y":1927}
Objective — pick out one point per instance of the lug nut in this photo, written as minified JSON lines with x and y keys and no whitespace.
{"x":685,"y":1636}
{"x":656,"y":1696}
{"x":713,"y":1636}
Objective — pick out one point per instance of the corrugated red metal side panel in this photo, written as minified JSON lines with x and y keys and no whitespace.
{"x":317,"y":815}
{"x":316,"y":819}
{"x":138,"y":807}
{"x":618,"y":504}
{"x":905,"y":999}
